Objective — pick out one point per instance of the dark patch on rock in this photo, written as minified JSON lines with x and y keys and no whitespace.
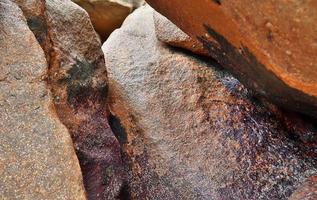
{"x":99,"y":157}
{"x":270,"y":36}
{"x":217,"y":2}
{"x":146,"y":184}
{"x":304,"y":129}
{"x":79,"y":73}
{"x":240,"y":61}
{"x":38,"y":26}
{"x":78,"y":80}
{"x":118,"y":129}
{"x":125,"y":192}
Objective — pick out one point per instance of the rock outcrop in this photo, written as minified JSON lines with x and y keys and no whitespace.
{"x":108,"y":15}
{"x":190,"y":130}
{"x":269,"y":45}
{"x":37,"y":159}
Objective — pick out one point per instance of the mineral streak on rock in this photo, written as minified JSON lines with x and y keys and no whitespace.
{"x":193,"y":131}
{"x":269,"y":45}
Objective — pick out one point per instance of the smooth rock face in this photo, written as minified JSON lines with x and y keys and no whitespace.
{"x":269,"y":45}
{"x":108,"y":15}
{"x":169,"y":33}
{"x":37,"y":159}
{"x":192,"y":131}
{"x":77,"y":78}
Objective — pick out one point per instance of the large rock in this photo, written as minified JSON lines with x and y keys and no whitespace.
{"x":192,"y":131}
{"x":37,"y":159}
{"x":269,"y":45}
{"x":108,"y":15}
{"x":169,"y":33}
{"x":78,"y":81}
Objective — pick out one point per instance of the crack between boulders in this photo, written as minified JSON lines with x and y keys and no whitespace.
{"x":79,"y":130}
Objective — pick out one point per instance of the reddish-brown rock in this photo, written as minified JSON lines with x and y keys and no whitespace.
{"x":271,"y":46}
{"x":78,"y":81}
{"x":169,"y":33}
{"x":190,"y":130}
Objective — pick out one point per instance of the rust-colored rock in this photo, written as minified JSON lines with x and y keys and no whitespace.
{"x":192,"y":131}
{"x":271,"y":46}
{"x":169,"y":33}
{"x":37,"y":159}
{"x":78,"y":81}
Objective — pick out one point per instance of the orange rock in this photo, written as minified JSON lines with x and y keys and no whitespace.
{"x":271,"y":46}
{"x":169,"y":33}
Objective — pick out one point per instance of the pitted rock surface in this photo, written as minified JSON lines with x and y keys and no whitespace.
{"x":37,"y":159}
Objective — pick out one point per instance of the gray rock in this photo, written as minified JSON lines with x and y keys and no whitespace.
{"x":37,"y":159}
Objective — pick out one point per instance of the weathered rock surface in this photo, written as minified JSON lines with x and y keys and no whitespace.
{"x":77,"y":79}
{"x":34,"y":12}
{"x":78,"y":82}
{"x":169,"y":33}
{"x":307,"y":191}
{"x":108,"y":15}
{"x":37,"y":159}
{"x":192,"y":131}
{"x":269,"y":45}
